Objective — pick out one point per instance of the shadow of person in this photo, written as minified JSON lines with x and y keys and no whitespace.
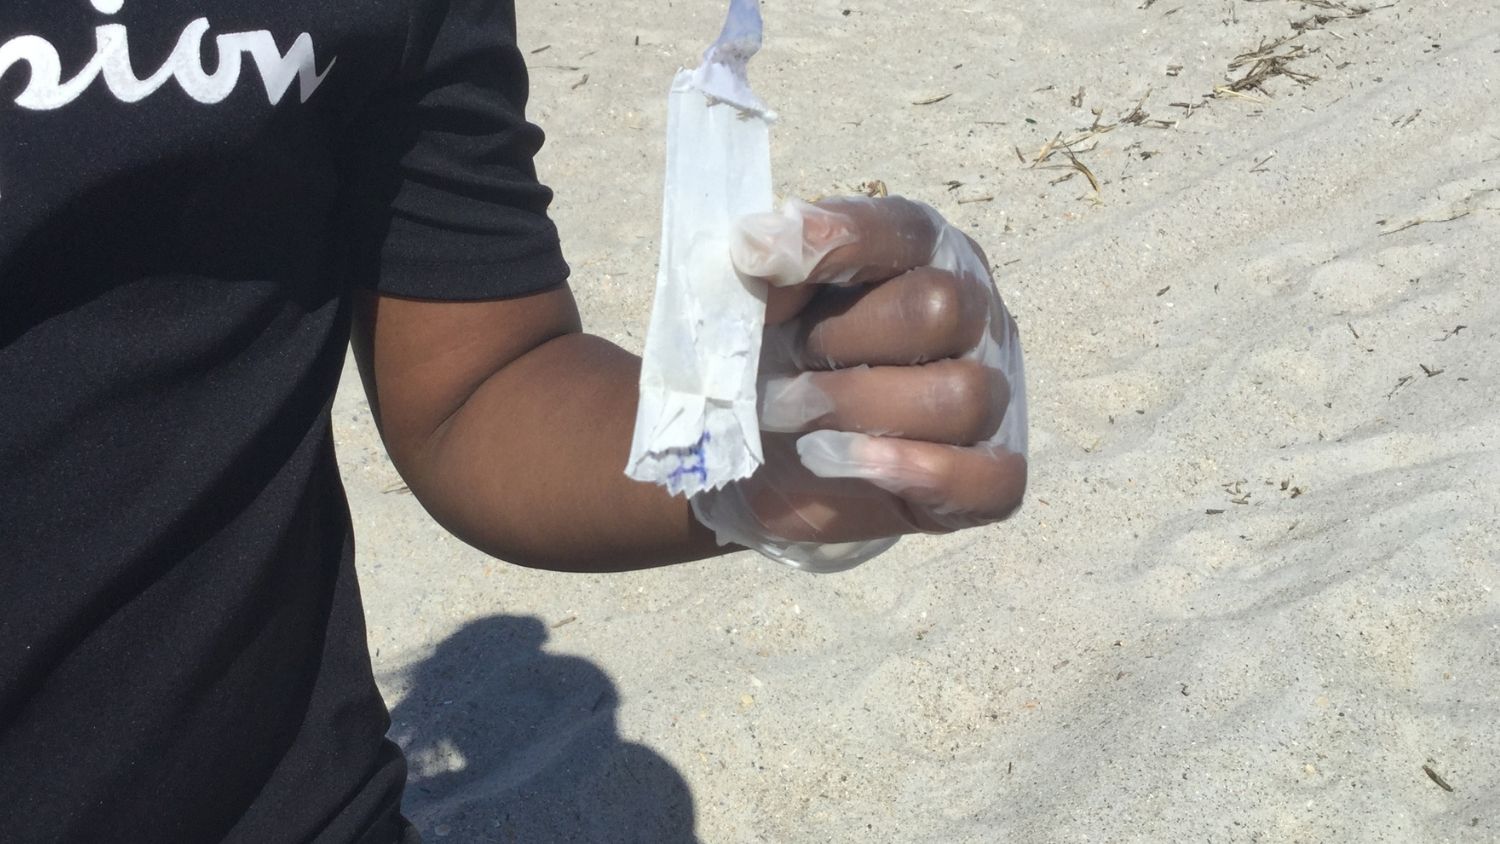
{"x":508,"y":743}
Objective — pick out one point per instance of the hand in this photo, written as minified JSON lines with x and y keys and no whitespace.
{"x":892,"y":385}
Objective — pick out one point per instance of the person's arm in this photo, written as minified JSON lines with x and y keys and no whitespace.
{"x":512,"y":428}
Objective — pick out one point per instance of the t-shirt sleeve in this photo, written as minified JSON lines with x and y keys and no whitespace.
{"x":442,"y":197}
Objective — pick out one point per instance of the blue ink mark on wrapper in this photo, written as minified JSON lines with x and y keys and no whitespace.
{"x":691,"y":461}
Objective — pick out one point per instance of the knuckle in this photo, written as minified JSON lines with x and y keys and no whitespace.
{"x":1003,"y":492}
{"x":934,"y":306}
{"x":966,"y":396}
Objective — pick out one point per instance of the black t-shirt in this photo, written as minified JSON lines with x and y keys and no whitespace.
{"x":188,"y":193}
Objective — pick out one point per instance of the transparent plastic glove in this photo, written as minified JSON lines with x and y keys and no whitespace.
{"x":892,"y":392}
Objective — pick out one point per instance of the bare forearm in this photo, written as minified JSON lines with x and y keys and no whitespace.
{"x":531,"y":467}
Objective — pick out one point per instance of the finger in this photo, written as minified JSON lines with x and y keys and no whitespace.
{"x":946,"y":487}
{"x":836,"y":241}
{"x":921,"y":316}
{"x":958,"y":402}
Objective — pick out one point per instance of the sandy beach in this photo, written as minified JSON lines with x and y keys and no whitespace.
{"x":1252,"y":593}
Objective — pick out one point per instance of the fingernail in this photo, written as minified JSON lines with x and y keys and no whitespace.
{"x":784,"y":248}
{"x":834,"y":454}
{"x":768,"y":246}
{"x":838,"y":454}
{"x":826,"y":453}
{"x":822,"y":230}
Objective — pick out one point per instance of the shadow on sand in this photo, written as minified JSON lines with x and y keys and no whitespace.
{"x":508,"y":743}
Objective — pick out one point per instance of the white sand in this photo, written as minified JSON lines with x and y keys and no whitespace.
{"x":1116,"y":663}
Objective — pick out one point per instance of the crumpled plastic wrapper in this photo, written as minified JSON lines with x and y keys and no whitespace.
{"x":696,"y":427}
